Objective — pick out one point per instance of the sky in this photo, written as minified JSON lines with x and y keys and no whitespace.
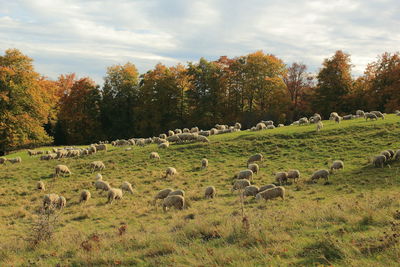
{"x":86,"y":37}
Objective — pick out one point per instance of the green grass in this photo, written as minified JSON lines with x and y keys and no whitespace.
{"x":343,"y":223}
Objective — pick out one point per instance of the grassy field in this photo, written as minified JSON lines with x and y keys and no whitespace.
{"x":351,"y":221}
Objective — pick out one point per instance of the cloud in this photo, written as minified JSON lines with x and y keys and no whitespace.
{"x":85,"y":37}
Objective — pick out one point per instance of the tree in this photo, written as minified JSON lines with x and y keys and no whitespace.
{"x":24,"y":103}
{"x":334,"y":84}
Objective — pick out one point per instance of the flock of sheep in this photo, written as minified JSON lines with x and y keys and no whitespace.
{"x":176,"y":198}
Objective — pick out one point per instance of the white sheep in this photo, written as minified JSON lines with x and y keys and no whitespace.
{"x":177,"y":192}
{"x":370,"y":116}
{"x":170,"y":172}
{"x":102,"y":185}
{"x":85,"y":196}
{"x":336,"y":165}
{"x":360,"y":113}
{"x":50,"y":201}
{"x":163,"y":145}
{"x":113,"y":194}
{"x":378,"y":114}
{"x":61,"y":202}
{"x":40,"y":186}
{"x":293,"y":174}
{"x":61,"y":169}
{"x":162,"y":194}
{"x":397,"y":155}
{"x":204,"y":163}
{"x":238,"y":125}
{"x":245,"y":174}
{"x":250,"y":190}
{"x":240,"y":184}
{"x":171,"y":133}
{"x":97,"y":165}
{"x":281,"y":177}
{"x":379,"y":161}
{"x":265,"y":187}
{"x":254,"y":158}
{"x":254,"y":168}
{"x":203,"y":139}
{"x":210,"y":192}
{"x":15,"y":160}
{"x":127,"y":187}
{"x":271,"y":193}
{"x":154,"y":155}
{"x":175,"y":201}
{"x":3,"y":160}
{"x":320,"y":125}
{"x":320,"y":174}
{"x":261,"y":126}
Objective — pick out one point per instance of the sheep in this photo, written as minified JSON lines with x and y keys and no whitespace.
{"x":281,"y":177}
{"x":347,"y":117}
{"x":101,"y":147}
{"x":62,"y":153}
{"x":3,"y":160}
{"x":320,"y":125}
{"x":162,"y":194}
{"x":303,"y":120}
{"x":194,"y":130}
{"x":317,"y":118}
{"x":204,"y":163}
{"x":178,"y":192}
{"x":170,"y":133}
{"x":281,"y":125}
{"x":360,"y":113}
{"x":154,"y":155}
{"x":370,"y":116}
{"x":61,"y":202}
{"x":320,"y":174}
{"x":260,"y":126}
{"x":379,"y":160}
{"x":254,"y":168}
{"x":50,"y":201}
{"x":163,"y":136}
{"x":97,"y":165}
{"x":240,"y":184}
{"x":256,"y":157}
{"x":32,"y":152}
{"x":15,"y":160}
{"x":61,"y":169}
{"x":99,"y":176}
{"x":177,"y":202}
{"x":245,"y":174}
{"x":127,"y":187}
{"x":186,"y":130}
{"x":210,"y":192}
{"x":270,"y":127}
{"x":102,"y":185}
{"x":170,"y":172}
{"x":250,"y":190}
{"x":238,"y":126}
{"x":378,"y":114}
{"x":338,"y":119}
{"x":205,"y":133}
{"x":85,"y":196}
{"x":397,"y":155}
{"x":271,"y":193}
{"x":333,"y":116}
{"x":203,"y":139}
{"x":265,"y":187}
{"x":268,"y":123}
{"x":391,"y":151}
{"x":178,"y":131}
{"x":336,"y":165}
{"x":293,"y":174}
{"x":163,"y":145}
{"x":173,"y":138}
{"x":113,"y":194}
{"x":40,"y":186}
{"x":386,"y":154}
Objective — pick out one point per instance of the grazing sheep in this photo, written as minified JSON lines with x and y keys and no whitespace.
{"x":333,"y":116}
{"x":205,"y":133}
{"x":170,"y":172}
{"x":175,"y":201}
{"x":378,"y":114}
{"x":281,"y":177}
{"x":320,"y":174}
{"x":163,"y":145}
{"x":203,"y":139}
{"x":50,"y":201}
{"x":178,"y":192}
{"x":293,"y":174}
{"x":102,"y":185}
{"x":379,"y":160}
{"x":397,"y":155}
{"x":240,"y":184}
{"x":254,"y":168}
{"x":303,"y":120}
{"x":97,"y":165}
{"x":40,"y":186}
{"x":113,"y":194}
{"x":171,"y":133}
{"x":370,"y":116}
{"x":99,"y":176}
{"x":15,"y":160}
{"x":178,"y":131}
{"x":162,"y":194}
{"x":320,"y":125}
{"x":127,"y":187}
{"x":348,"y":117}
{"x":101,"y":147}
{"x":254,"y":158}
{"x":61,"y":202}
{"x":163,"y":136}
{"x":317,"y":118}
{"x":174,"y":138}
{"x":204,"y":163}
{"x":245,"y":174}
{"x":265,"y":187}
{"x":391,"y":151}
{"x":260,"y":126}
{"x":338,"y":119}
{"x":270,"y":127}
{"x":194,"y":130}
{"x":250,"y":190}
{"x":154,"y":155}
{"x":386,"y":154}
{"x":360,"y":113}
{"x":238,"y":126}
{"x":210,"y":192}
{"x":271,"y":193}
{"x":85,"y":196}
{"x":268,"y":122}
{"x":336,"y":165}
{"x":61,"y":169}
{"x":281,"y":125}
{"x":3,"y":160}
{"x":186,"y":130}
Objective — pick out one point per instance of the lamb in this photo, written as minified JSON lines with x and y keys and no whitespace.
{"x":254,"y":168}
{"x":102,"y":185}
{"x":203,"y":139}
{"x":256,"y":157}
{"x":85,"y":196}
{"x":61,"y":169}
{"x":61,"y":202}
{"x":127,"y":187}
{"x":250,"y":190}
{"x":164,"y":145}
{"x":3,"y":160}
{"x":15,"y":160}
{"x":210,"y":192}
{"x":240,"y":184}
{"x":204,"y":163}
{"x":97,"y":165}
{"x":320,"y":125}
{"x":370,"y":116}
{"x":177,"y":202}
{"x":336,"y":165}
{"x":271,"y":193}
{"x":113,"y":194}
{"x":281,"y":177}
{"x":178,"y":192}
{"x":40,"y":186}
{"x":162,"y":194}
{"x":320,"y":174}
{"x":170,"y":172}
{"x":293,"y":174}
{"x":154,"y":155}
{"x":378,"y":114}
{"x":265,"y":187}
{"x":245,"y":174}
{"x":50,"y":201}
{"x":379,"y":160}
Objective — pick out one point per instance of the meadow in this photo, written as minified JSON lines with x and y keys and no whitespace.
{"x":351,"y":220}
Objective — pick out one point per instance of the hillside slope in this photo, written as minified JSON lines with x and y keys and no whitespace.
{"x":350,"y":221}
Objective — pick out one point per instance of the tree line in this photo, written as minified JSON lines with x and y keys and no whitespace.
{"x":35,"y":110}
